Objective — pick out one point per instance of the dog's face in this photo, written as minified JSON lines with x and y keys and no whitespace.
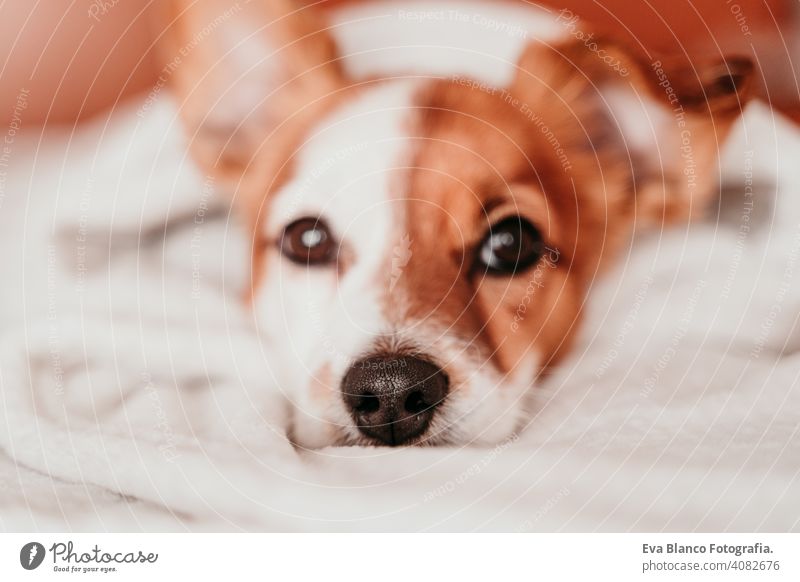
{"x":422,"y":248}
{"x":406,"y":270}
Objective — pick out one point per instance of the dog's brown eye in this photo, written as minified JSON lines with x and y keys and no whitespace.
{"x":308,"y":241}
{"x":511,"y":245}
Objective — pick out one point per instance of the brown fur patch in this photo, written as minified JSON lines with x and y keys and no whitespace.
{"x":480,"y":158}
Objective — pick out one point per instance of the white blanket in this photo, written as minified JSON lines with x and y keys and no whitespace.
{"x":134,"y":393}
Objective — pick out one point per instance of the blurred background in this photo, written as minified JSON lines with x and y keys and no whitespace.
{"x":78,"y":58}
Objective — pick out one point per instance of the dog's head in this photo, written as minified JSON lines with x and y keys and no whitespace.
{"x":422,"y":248}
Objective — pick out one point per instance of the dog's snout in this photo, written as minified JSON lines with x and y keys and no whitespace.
{"x":393,"y":398}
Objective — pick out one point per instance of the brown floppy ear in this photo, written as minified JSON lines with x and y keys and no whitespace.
{"x":248,"y":75}
{"x":669,"y":116}
{"x":694,"y":107}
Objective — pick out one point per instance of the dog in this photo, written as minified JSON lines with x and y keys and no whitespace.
{"x":430,"y":188}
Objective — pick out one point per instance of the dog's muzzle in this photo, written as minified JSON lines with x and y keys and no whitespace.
{"x":393,"y":398}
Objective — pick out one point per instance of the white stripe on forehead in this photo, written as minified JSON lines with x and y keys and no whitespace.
{"x":345,"y":169}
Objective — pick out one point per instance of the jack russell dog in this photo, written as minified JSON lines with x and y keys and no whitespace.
{"x":429,"y":190}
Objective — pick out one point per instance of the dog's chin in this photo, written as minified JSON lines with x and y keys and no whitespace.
{"x":306,"y":437}
{"x":448,"y":429}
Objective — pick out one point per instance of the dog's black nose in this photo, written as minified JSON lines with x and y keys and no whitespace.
{"x":393,"y":398}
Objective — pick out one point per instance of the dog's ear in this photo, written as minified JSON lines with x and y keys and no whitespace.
{"x":670,"y":116}
{"x":247,"y":76}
